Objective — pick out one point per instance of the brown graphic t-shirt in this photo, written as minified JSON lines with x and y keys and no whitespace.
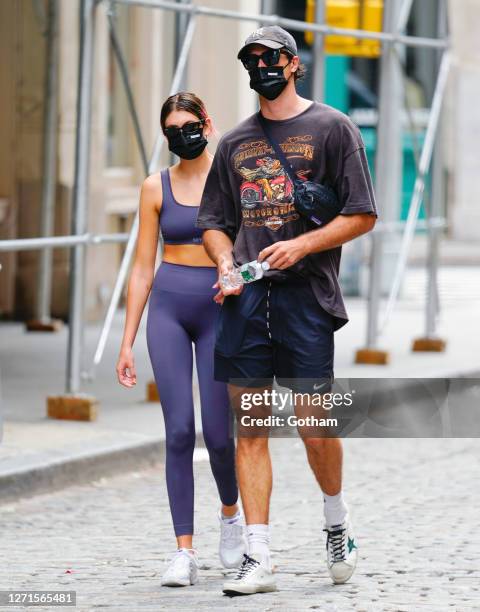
{"x":249,"y":196}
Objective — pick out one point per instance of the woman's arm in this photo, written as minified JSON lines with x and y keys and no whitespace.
{"x":142,"y":274}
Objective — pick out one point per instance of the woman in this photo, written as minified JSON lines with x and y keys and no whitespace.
{"x":181,"y":311}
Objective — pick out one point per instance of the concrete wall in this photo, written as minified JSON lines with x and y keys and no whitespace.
{"x":8,"y":127}
{"x":23,"y":50}
{"x":462,"y":121}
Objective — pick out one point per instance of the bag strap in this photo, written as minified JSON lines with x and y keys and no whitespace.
{"x":276,"y":147}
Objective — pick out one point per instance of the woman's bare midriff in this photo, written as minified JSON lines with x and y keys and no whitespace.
{"x":186,"y":255}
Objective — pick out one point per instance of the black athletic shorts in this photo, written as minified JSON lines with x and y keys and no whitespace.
{"x":275,"y":329}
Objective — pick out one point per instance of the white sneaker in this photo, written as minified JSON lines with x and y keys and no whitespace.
{"x":252,"y":577}
{"x":341,"y":551}
{"x":233,"y":544}
{"x":182,"y":569}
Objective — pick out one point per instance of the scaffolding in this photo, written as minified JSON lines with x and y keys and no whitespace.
{"x":392,"y":37}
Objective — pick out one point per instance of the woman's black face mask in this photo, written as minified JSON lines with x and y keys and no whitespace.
{"x":188,"y":142}
{"x":268,"y":81}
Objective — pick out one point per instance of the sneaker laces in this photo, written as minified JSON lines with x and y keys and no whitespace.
{"x":336,"y":540}
{"x":180,"y":558}
{"x":228,"y":532}
{"x":248,"y":565}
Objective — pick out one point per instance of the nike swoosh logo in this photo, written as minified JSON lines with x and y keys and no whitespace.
{"x":317,"y":387}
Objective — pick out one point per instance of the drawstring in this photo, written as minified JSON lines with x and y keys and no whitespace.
{"x":268,"y":309}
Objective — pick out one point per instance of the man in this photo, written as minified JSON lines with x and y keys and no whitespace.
{"x":282,"y":325}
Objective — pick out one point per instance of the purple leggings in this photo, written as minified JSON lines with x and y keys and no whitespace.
{"x":181,"y":311}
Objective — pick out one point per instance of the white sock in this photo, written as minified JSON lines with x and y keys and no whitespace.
{"x":258,"y":538}
{"x":334,"y":508}
{"x":233,"y":518}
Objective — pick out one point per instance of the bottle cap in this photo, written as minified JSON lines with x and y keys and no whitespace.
{"x":265,"y":265}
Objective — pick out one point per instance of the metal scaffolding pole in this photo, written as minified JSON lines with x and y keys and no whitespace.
{"x":419,"y":186}
{"x":33,"y":244}
{"x":128,"y":254}
{"x":181,"y":25}
{"x":44,"y":287}
{"x":80,"y":195}
{"x":291,"y":24}
{"x":122,"y":65}
{"x":318,"y":72}
{"x":432,"y":300}
{"x":404,"y":15}
{"x":432,"y":305}
{"x":388,"y":169}
{"x":433,"y":207}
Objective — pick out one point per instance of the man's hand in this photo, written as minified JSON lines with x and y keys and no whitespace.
{"x":342,"y":229}
{"x":225,"y":266}
{"x":284,"y":253}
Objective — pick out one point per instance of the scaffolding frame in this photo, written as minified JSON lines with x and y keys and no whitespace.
{"x":80,"y":237}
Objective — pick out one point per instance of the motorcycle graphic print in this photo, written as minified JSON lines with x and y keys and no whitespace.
{"x":265,"y":184}
{"x":266,"y":191}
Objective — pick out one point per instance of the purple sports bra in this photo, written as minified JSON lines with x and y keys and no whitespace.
{"x":177,"y":221}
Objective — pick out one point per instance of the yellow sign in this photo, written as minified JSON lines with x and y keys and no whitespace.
{"x":351,"y":14}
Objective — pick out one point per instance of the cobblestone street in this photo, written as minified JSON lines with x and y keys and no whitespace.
{"x":414,"y":505}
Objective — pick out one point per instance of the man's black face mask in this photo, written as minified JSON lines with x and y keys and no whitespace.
{"x":268,"y":82}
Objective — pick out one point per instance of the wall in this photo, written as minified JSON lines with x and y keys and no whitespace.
{"x":462,"y":121}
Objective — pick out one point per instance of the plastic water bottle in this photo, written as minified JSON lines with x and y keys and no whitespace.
{"x":247,"y":273}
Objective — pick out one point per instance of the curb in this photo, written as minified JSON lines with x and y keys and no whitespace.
{"x":56,"y":475}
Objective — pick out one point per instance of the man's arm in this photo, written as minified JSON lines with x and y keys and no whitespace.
{"x":342,"y":229}
{"x":346,"y":156}
{"x":219,"y":248}
{"x":216,"y":217}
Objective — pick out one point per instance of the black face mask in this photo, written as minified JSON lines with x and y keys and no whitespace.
{"x":188,"y":146}
{"x":269,"y":82}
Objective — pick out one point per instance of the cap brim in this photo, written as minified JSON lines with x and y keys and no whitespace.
{"x":271,"y":44}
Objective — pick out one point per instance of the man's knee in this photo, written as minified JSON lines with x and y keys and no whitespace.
{"x":252,"y":446}
{"x":319,"y":444}
{"x":312,"y":443}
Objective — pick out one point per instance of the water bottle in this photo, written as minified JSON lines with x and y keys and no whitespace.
{"x":247,"y":273}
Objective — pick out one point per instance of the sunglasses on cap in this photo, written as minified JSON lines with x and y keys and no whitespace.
{"x":188,"y":128}
{"x":270,"y":57}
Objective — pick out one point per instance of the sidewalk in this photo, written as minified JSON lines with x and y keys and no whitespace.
{"x":413,"y":508}
{"x":38,"y":453}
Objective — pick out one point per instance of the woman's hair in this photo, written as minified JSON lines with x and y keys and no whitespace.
{"x":185,"y":101}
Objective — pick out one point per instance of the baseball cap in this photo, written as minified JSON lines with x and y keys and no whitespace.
{"x":273,"y":37}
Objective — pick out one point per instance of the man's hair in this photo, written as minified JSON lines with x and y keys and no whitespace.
{"x":301,"y":71}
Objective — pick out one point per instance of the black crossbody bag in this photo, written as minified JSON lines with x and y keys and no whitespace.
{"x":316,"y":202}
